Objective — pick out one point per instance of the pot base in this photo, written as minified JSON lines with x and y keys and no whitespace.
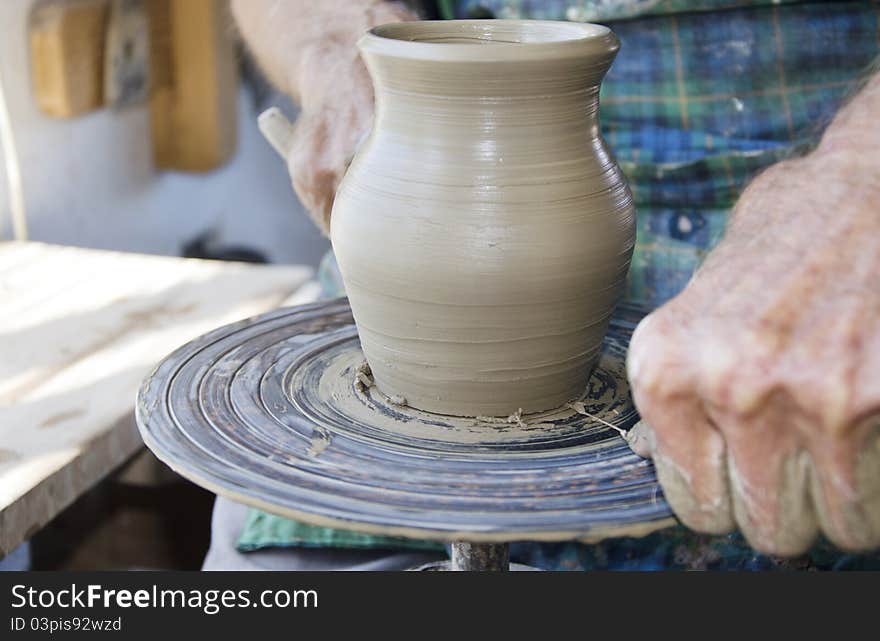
{"x":335,"y":382}
{"x":502,"y":402}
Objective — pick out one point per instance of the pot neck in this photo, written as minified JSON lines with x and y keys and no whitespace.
{"x":496,"y":94}
{"x":479,"y":77}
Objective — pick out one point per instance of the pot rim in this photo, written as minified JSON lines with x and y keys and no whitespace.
{"x":523,"y":40}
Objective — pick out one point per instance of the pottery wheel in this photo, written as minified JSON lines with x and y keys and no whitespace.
{"x":268,"y":412}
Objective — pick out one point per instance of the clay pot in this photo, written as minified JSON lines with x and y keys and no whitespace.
{"x":484,"y":230}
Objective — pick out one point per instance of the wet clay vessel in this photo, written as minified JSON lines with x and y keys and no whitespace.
{"x":484,"y":230}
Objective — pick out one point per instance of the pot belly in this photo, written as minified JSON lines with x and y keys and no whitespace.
{"x":481,"y":311}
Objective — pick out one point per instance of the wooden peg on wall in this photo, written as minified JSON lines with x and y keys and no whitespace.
{"x":67,"y":56}
{"x":194,"y":77}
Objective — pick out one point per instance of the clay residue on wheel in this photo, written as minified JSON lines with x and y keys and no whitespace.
{"x":346,"y":385}
{"x":363,"y":381}
{"x":514,"y":419}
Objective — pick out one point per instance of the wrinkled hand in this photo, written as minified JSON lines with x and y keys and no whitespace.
{"x":336,"y":99}
{"x":761,"y":381}
{"x":309,"y":50}
{"x":335,"y":116}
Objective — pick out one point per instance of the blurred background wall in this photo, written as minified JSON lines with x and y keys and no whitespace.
{"x":90,"y":181}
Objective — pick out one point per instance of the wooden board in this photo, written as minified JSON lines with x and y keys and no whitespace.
{"x":194,"y":84}
{"x":79,"y":331}
{"x":67,"y":56}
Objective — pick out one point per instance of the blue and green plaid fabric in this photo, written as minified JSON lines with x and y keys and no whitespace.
{"x":703,"y":95}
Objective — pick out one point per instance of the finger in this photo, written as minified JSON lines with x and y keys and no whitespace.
{"x":314,"y":182}
{"x":769,"y":468}
{"x":317,"y":191}
{"x":846,"y":487}
{"x":868,"y":489}
{"x":689,"y":456}
{"x":641,"y":440}
{"x":771,"y":494}
{"x":688,"y":452}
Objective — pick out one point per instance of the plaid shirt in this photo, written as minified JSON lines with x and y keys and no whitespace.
{"x":702,"y":96}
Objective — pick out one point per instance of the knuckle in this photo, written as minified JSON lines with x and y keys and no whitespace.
{"x":656,"y":358}
{"x":731,"y":382}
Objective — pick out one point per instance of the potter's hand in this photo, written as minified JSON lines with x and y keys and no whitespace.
{"x":308,"y":49}
{"x":336,"y":113}
{"x":761,"y":381}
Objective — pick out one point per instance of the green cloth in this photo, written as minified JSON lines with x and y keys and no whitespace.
{"x":262,"y":530}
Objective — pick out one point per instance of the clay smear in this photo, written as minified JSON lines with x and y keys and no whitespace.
{"x":364,"y":381}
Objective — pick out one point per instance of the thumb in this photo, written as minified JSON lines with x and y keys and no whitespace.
{"x":641,"y":439}
{"x":315,"y":173}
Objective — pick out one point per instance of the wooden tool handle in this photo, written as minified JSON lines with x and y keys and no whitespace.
{"x":277,"y":129}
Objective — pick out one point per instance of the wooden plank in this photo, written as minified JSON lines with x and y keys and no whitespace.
{"x":193,"y":101}
{"x":80,"y":330}
{"x":67,"y":56}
